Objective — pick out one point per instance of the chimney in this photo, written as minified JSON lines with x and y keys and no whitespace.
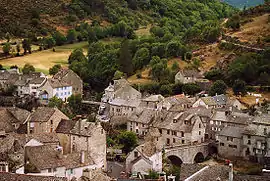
{"x":231,"y":172}
{"x":82,"y":157}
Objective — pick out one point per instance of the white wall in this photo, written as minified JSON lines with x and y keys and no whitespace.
{"x":63,"y":92}
{"x":157,"y":162}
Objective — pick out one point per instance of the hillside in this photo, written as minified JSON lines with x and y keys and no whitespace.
{"x":244,"y":3}
{"x":23,"y":17}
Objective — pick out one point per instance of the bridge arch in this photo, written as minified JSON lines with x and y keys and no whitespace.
{"x":198,"y":158}
{"x":175,"y":160}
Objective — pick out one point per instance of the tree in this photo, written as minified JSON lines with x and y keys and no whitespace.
{"x":18,"y":48}
{"x":28,"y":68}
{"x":76,"y":55}
{"x":118,"y":75}
{"x":159,"y":70}
{"x":71,"y":36}
{"x":7,"y":36}
{"x":26,"y":44}
{"x":1,"y":67}
{"x":141,"y":58}
{"x":6,"y":48}
{"x":75,"y":103}
{"x":55,"y":69}
{"x":56,"y":102}
{"x":219,"y":87}
{"x":125,"y":58}
{"x":191,"y":88}
{"x":128,"y":140}
{"x":59,"y":38}
{"x":239,"y":87}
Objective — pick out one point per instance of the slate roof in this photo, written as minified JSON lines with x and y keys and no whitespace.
{"x":221,"y":99}
{"x":262,"y":119}
{"x":65,"y":126}
{"x":5,"y":176}
{"x":191,"y":73}
{"x":38,"y":80}
{"x":166,"y":121}
{"x":45,"y":138}
{"x":55,"y":83}
{"x":145,"y":116}
{"x":212,"y":173}
{"x":153,"y":98}
{"x":62,"y":73}
{"x":125,"y":102}
{"x":234,"y":117}
{"x":47,"y":156}
{"x":79,"y":127}
{"x":42,"y":114}
{"x":188,"y":170}
{"x":19,"y":114}
{"x":6,"y":120}
{"x":210,"y":101}
{"x":231,"y":131}
{"x":200,"y":111}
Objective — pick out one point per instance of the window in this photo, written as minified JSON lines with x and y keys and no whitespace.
{"x":182,"y":134}
{"x":232,"y":146}
{"x":51,"y":121}
{"x":136,"y":154}
{"x":199,"y":132}
{"x":71,"y":171}
{"x":221,"y":144}
{"x":200,"y":125}
{"x":168,"y":131}
{"x":160,"y":131}
{"x":54,"y":170}
{"x":51,"y":129}
{"x":183,"y":141}
{"x":49,"y":170}
{"x":168,"y":141}
{"x":249,"y":142}
{"x":173,"y":140}
{"x":137,"y":124}
{"x":137,"y":131}
{"x":101,"y":131}
{"x":265,"y":131}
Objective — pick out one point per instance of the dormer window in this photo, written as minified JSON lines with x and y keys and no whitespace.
{"x":174,"y":120}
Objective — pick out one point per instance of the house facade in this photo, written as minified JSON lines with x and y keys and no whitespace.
{"x":207,"y":102}
{"x":46,"y":160}
{"x":81,"y":135}
{"x":180,"y":128}
{"x":187,"y":76}
{"x":44,"y":120}
{"x":67,"y":75}
{"x":53,"y":87}
{"x":230,"y":142}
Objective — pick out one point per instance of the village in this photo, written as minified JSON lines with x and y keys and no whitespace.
{"x":180,"y":130}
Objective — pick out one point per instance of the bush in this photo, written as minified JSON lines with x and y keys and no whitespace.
{"x":6,"y":48}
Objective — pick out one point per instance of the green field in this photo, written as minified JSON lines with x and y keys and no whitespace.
{"x":43,"y":60}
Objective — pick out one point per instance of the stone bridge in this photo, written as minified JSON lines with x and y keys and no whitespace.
{"x":188,"y":154}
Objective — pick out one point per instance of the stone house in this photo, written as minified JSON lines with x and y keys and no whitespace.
{"x":207,"y":102}
{"x":44,"y":120}
{"x":147,"y":156}
{"x":235,"y":104}
{"x":121,"y":107}
{"x":7,"y":78}
{"x":256,"y":139}
{"x":230,"y":142}
{"x":152,"y":101}
{"x":187,"y":76}
{"x":140,"y":121}
{"x":121,"y":89}
{"x":47,"y":160}
{"x":221,"y":100}
{"x":67,"y":75}
{"x":222,"y":119}
{"x":178,"y":128}
{"x":11,"y":118}
{"x":54,"y":87}
{"x":82,"y":135}
{"x":175,"y":103}
{"x":28,"y":84}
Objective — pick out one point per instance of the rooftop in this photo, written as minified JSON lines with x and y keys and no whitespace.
{"x":5,"y":176}
{"x":235,"y":132}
